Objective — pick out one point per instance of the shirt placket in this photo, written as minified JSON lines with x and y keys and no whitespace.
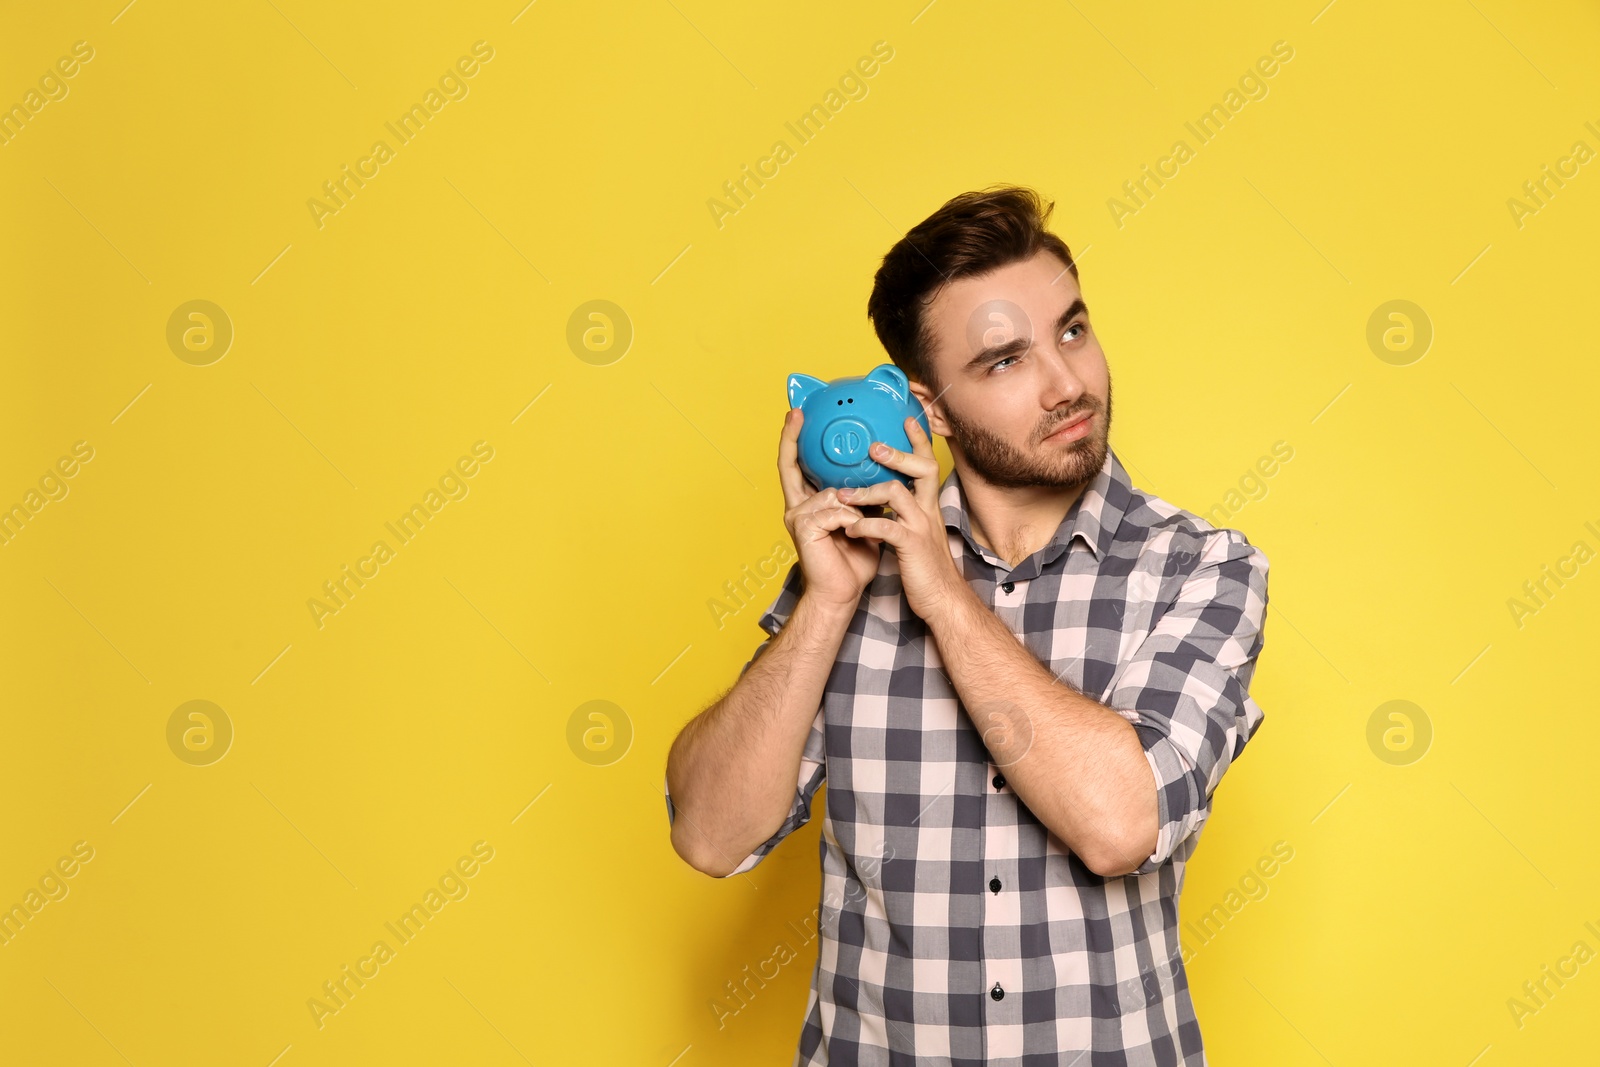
{"x":1002,"y":904}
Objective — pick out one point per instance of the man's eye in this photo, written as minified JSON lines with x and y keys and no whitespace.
{"x":1001,"y":362}
{"x":1076,"y":326}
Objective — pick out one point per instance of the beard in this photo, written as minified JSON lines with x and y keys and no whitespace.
{"x":1072,"y":465}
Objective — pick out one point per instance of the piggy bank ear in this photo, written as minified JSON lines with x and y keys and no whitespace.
{"x":893,"y":377}
{"x":802,"y":386}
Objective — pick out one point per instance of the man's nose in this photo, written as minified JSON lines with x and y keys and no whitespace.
{"x":1062,"y":383}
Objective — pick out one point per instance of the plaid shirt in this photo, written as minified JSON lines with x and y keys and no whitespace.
{"x":955,"y":928}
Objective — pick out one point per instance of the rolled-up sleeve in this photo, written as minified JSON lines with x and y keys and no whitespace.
{"x":813,"y":764}
{"x":1188,"y":685}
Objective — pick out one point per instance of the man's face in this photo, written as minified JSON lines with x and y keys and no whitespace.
{"x":1013,"y":362}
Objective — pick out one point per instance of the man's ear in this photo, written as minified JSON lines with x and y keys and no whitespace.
{"x":935,"y":413}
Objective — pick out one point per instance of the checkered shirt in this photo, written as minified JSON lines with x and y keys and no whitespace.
{"x":955,"y":929}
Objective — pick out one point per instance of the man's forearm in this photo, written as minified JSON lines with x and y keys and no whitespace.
{"x":732,"y":769}
{"x":1076,"y":763}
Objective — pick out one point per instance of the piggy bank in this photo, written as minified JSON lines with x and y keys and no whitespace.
{"x":842,"y":419}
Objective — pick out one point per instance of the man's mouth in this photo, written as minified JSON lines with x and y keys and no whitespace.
{"x":1072,"y":429}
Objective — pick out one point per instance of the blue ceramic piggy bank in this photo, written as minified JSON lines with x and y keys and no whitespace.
{"x":842,"y":419}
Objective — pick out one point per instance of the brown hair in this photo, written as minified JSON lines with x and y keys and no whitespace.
{"x":970,"y":234}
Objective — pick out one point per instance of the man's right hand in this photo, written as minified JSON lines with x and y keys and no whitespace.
{"x":837,"y":567}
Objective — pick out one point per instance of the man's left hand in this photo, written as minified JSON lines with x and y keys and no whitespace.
{"x":927,"y":570}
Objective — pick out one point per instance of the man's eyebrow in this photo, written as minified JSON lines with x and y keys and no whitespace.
{"x":1018,"y":345}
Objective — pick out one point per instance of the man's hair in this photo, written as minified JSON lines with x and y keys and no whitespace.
{"x":973,"y":233}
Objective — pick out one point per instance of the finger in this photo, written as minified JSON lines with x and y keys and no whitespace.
{"x":877,"y":493}
{"x":871,"y":495}
{"x":825,"y":500}
{"x":789,"y":474}
{"x":877,"y":529}
{"x":900,"y":498}
{"x":849,"y":521}
{"x":905,"y":462}
{"x":894,"y":493}
{"x":922,"y":445}
{"x":826,"y":512}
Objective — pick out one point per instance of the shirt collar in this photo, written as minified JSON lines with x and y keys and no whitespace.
{"x":1093,"y":518}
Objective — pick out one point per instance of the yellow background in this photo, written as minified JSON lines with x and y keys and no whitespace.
{"x":432,"y":711}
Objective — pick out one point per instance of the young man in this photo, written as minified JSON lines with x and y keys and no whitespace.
{"x":1023,"y":687}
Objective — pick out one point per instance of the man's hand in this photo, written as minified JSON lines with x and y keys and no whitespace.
{"x":927,"y":570}
{"x":837,"y":569}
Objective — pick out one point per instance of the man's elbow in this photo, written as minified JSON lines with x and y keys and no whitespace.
{"x":1125,"y":853}
{"x":692,"y":849}
{"x":689,"y":851}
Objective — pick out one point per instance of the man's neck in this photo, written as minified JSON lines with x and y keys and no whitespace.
{"x":1015,"y":523}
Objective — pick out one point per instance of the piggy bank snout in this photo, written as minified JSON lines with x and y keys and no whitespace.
{"x":845,"y":440}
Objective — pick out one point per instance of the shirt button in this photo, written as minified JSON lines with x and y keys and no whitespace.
{"x":999,"y":781}
{"x":994,"y":884}
{"x":997,"y":993}
{"x":1007,"y":586}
